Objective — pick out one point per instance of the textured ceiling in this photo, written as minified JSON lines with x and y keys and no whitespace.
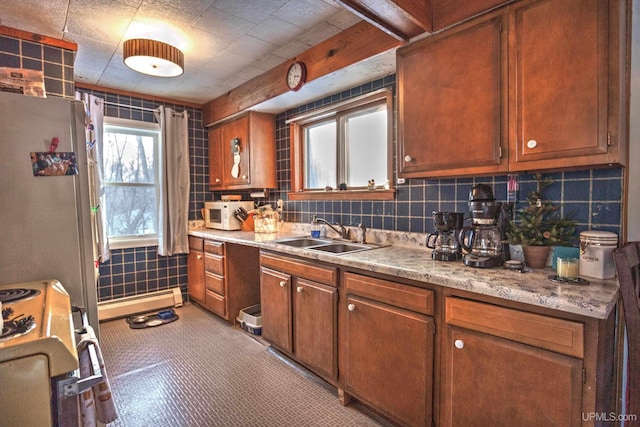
{"x":225,"y":42}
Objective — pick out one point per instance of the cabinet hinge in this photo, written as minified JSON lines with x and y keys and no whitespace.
{"x":584,"y":376}
{"x":608,"y":139}
{"x":500,"y":26}
{"x":434,"y":328}
{"x":500,"y":152}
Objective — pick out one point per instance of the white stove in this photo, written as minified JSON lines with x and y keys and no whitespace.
{"x":37,"y":350}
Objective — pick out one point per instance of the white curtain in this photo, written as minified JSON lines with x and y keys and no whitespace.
{"x":174,"y":197}
{"x":95,"y":122}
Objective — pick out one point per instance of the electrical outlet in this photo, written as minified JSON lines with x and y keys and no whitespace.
{"x":400,"y":181}
{"x":280,"y":204}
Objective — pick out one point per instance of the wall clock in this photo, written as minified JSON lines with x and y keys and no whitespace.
{"x":296,"y":75}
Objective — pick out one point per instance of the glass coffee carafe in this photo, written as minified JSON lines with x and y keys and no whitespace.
{"x":483,"y":244}
{"x":444,"y":241}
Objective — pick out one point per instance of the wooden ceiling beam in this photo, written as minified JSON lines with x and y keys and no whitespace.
{"x":355,"y":44}
{"x":402,"y":19}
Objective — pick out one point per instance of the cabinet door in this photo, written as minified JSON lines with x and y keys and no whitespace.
{"x":493,"y":381}
{"x":315,"y":325}
{"x":195,"y":276}
{"x":389,"y":359}
{"x":216,"y":166}
{"x":275,"y":302}
{"x":450,"y":102}
{"x":559,"y":84}
{"x":235,"y":137}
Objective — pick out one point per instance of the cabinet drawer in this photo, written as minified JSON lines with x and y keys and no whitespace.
{"x":216,"y":303}
{"x":196,"y":243}
{"x":214,"y":283}
{"x":403,"y":296}
{"x":214,"y":263}
{"x":561,"y":336}
{"x":295,"y":267}
{"x":212,"y":247}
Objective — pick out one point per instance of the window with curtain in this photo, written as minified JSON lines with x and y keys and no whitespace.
{"x":349,"y":143}
{"x":132,"y":180}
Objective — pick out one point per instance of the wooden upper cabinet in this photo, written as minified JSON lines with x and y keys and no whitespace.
{"x":242,"y":153}
{"x":215,"y":159}
{"x":451,"y":12}
{"x":451,"y":102}
{"x":564,"y":94}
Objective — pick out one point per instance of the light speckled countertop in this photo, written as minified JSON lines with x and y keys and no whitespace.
{"x":407,"y":257}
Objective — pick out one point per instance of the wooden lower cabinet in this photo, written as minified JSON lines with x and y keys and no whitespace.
{"x":195,"y":270}
{"x":315,"y":314}
{"x":299,"y":311}
{"x":503,"y":366}
{"x":223,"y":277}
{"x":493,"y":381}
{"x":388,"y":348}
{"x":423,"y":356}
{"x":275,"y":306}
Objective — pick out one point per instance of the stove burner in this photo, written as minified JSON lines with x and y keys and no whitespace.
{"x":16,"y":328}
{"x":17,"y":294}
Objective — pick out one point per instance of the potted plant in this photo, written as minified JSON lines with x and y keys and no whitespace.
{"x":539,"y":226}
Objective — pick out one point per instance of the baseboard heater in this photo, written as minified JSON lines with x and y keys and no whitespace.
{"x":128,"y":306}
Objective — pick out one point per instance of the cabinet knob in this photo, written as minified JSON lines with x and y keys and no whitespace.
{"x":408,"y":158}
{"x":351,"y":307}
{"x":459,"y":344}
{"x":283,"y":284}
{"x":217,"y":180}
{"x":299,"y":289}
{"x":199,"y":256}
{"x":532,"y":143}
{"x":244,"y":177}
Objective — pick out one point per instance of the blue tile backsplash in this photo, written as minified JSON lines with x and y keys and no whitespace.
{"x":591,"y":197}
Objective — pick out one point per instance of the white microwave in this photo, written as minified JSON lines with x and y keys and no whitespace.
{"x":219,"y":215}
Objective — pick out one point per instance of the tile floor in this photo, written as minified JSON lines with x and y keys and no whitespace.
{"x":201,"y":371}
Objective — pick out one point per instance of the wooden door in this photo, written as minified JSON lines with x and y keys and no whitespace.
{"x":559,"y":84}
{"x":216,"y":177}
{"x":389,"y":359}
{"x":235,"y":137}
{"x":450,"y":95}
{"x":195,"y":276}
{"x":275,"y":303}
{"x":315,"y":313}
{"x":493,"y":381}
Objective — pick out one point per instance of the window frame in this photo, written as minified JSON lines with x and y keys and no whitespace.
{"x":126,"y":242}
{"x":297,"y":128}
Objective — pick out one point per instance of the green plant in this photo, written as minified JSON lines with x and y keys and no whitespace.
{"x":540,"y":223}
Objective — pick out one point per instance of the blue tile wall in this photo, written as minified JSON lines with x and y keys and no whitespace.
{"x":593,"y":198}
{"x":140,"y":270}
{"x":55,"y":63}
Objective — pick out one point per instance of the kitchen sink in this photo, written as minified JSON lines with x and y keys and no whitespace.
{"x":340,"y":248}
{"x":325,"y":245}
{"x":302,"y":242}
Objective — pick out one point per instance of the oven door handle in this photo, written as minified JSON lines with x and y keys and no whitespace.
{"x":74,"y":385}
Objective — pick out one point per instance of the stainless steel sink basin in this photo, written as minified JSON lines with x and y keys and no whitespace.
{"x":340,"y":248}
{"x":325,"y":245}
{"x":301,"y":242}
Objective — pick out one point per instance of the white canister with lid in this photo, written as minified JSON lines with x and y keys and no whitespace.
{"x":596,"y":254}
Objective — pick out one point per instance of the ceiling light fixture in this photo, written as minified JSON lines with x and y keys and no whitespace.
{"x":153,"y":58}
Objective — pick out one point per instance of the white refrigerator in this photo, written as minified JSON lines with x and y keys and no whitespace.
{"x":45,"y":212}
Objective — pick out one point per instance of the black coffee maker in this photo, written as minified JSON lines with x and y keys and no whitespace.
{"x":483,"y":240}
{"x":444,"y":241}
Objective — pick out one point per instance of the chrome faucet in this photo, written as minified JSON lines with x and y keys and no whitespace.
{"x":343,"y":231}
{"x":364,"y":233}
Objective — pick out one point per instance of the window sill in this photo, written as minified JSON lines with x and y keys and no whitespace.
{"x":343,"y":195}
{"x":130,"y":243}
